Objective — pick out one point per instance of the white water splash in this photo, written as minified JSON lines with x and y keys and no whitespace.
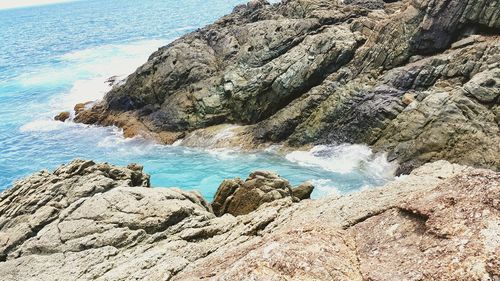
{"x":87,"y":71}
{"x":44,"y":125}
{"x":344,"y":159}
{"x":103,"y":61}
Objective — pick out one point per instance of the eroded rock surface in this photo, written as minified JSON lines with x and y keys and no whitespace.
{"x":88,"y":221}
{"x":416,"y":78}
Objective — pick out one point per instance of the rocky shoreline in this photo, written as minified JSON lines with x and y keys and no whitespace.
{"x":418,"y":79}
{"x":89,"y":221}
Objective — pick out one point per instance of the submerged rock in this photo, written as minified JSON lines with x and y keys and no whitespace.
{"x":417,"y":79}
{"x":88,"y":221}
{"x":237,"y":197}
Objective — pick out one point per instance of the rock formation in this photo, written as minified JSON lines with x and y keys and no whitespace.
{"x":88,"y":221}
{"x":237,"y":197}
{"x":416,"y":78}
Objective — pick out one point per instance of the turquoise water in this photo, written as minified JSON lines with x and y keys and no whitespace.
{"x":52,"y":57}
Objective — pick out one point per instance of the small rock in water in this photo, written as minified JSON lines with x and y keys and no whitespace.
{"x":63,"y":116}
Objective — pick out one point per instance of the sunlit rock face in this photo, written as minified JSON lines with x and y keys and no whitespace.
{"x":89,"y":221}
{"x":417,"y":79}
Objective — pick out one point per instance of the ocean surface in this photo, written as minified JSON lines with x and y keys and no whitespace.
{"x":54,"y":56}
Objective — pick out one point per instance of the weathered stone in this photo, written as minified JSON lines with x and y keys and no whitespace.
{"x":303,"y":191}
{"x":237,"y":197}
{"x":88,"y":221}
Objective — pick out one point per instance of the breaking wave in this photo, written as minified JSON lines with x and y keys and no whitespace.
{"x":345,"y":158}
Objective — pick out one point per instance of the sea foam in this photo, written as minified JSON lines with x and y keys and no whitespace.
{"x":43,"y":125}
{"x":87,"y":72}
{"x":343,"y":159}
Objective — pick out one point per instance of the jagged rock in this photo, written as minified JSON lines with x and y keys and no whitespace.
{"x":63,"y":116}
{"x":319,"y":72}
{"x":237,"y":197}
{"x":88,"y":221}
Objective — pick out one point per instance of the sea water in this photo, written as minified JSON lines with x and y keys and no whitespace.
{"x":54,"y":56}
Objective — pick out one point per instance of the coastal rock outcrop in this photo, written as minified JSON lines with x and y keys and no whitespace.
{"x":237,"y":197}
{"x":88,"y":221}
{"x":417,"y":79}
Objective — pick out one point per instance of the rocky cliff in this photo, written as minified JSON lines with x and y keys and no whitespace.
{"x":419,"y":79}
{"x":88,"y":221}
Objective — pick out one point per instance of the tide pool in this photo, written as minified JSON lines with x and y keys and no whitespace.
{"x":52,"y":57}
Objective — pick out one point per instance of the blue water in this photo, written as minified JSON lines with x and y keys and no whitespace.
{"x":52,"y":57}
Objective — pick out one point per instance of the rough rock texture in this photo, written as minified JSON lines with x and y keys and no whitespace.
{"x":88,"y":221}
{"x":416,"y":78}
{"x":237,"y":197}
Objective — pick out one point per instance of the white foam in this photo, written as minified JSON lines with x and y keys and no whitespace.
{"x":274,"y":148}
{"x":44,"y":125}
{"x":224,"y":153}
{"x":103,"y":61}
{"x":87,"y":71}
{"x":178,"y":142}
{"x":344,"y":159}
{"x":81,"y":91}
{"x":324,"y":187}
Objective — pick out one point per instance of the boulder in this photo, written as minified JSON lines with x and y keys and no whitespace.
{"x":303,"y":191}
{"x":442,"y":214}
{"x":237,"y":197}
